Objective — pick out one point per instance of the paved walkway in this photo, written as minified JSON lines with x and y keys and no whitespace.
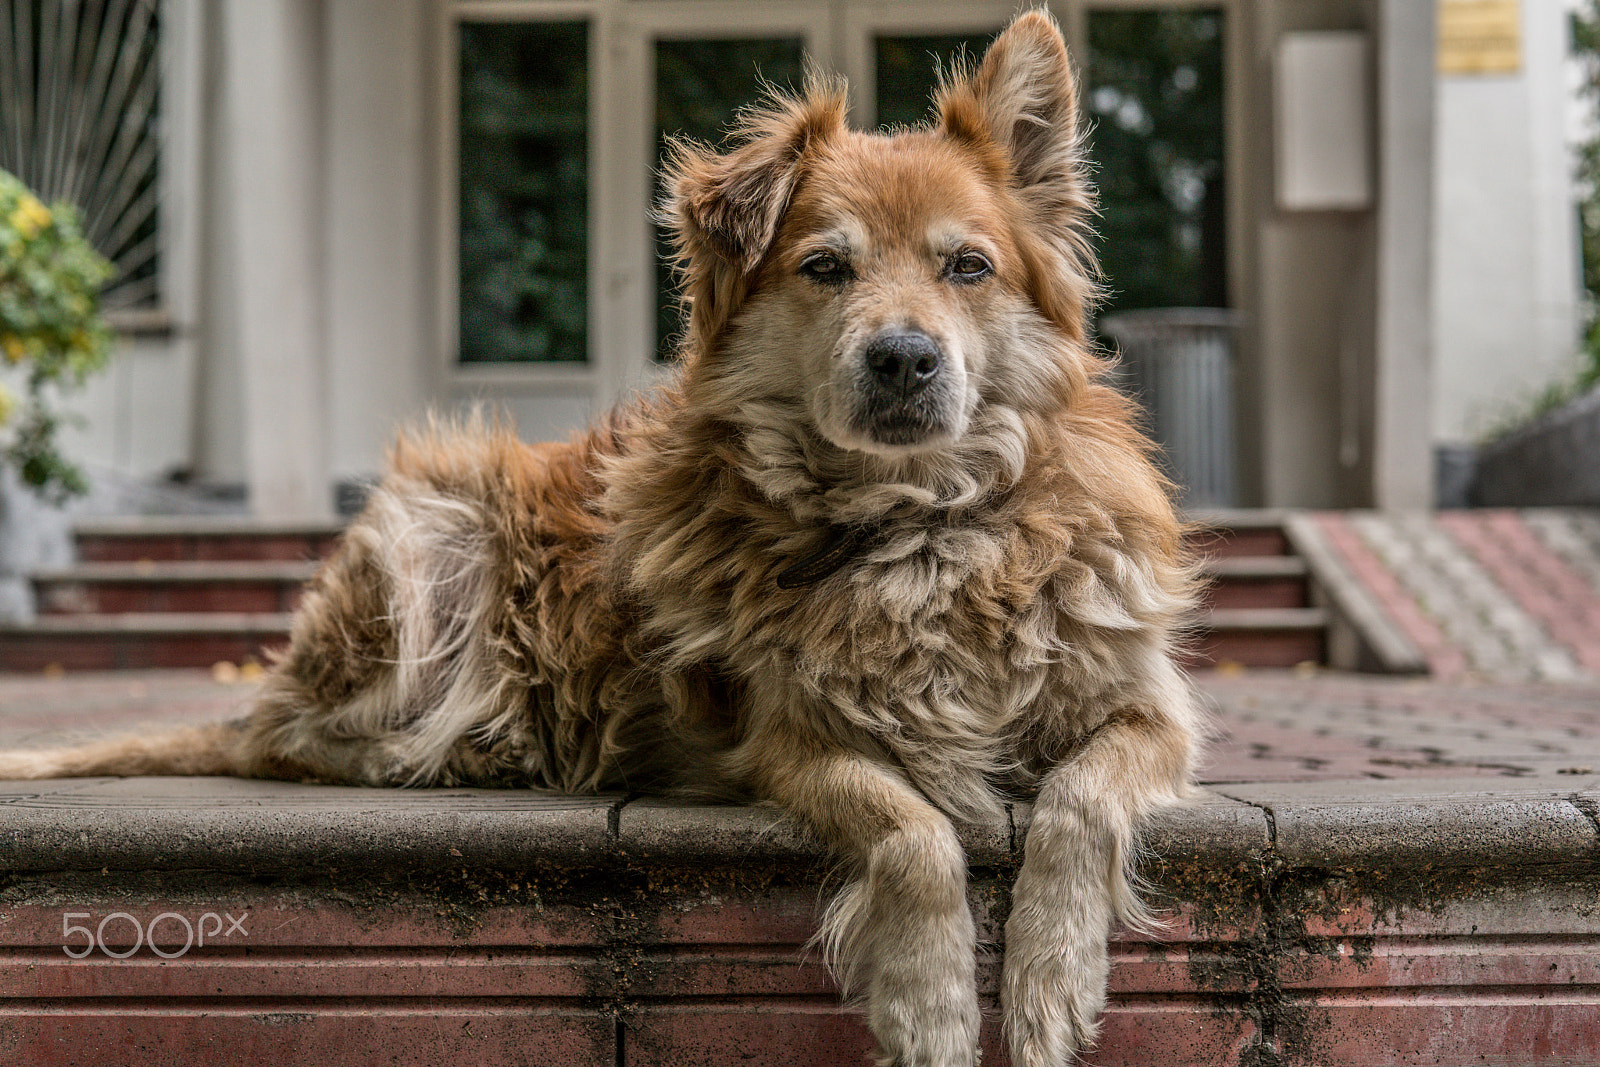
{"x":1283,"y":726}
{"x":1494,"y":594}
{"x":1272,"y":726}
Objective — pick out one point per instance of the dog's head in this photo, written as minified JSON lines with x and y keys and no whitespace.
{"x":889,"y":289}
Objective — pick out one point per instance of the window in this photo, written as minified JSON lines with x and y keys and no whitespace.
{"x":523,"y":196}
{"x":907,"y":69}
{"x":1155,"y":98}
{"x":560,"y":298}
{"x":699,"y":86}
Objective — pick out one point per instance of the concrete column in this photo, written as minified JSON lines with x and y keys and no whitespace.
{"x":1402,"y":445}
{"x":272,"y":75}
{"x":382,"y":352}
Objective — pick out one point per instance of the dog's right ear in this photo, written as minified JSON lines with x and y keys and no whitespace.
{"x":1022,"y":98}
{"x":1021,"y":101}
{"x":724,"y":209}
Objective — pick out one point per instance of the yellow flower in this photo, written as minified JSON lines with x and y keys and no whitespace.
{"x":15,"y":348}
{"x":8,"y":405}
{"x":30,"y":216}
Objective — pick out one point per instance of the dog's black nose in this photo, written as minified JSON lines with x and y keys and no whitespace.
{"x":903,"y":363}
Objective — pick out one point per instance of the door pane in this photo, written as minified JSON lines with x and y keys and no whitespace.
{"x":1155,"y":96}
{"x":524,"y":255}
{"x":908,"y":71}
{"x":700,"y":84}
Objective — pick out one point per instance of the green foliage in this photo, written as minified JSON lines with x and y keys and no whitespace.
{"x":1586,"y":47}
{"x":51,"y":332}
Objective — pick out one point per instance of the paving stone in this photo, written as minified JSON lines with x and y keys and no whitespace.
{"x":1443,"y":823}
{"x":1572,"y":535}
{"x":1515,"y":609}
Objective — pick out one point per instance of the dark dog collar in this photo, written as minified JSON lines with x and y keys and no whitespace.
{"x":843,"y":544}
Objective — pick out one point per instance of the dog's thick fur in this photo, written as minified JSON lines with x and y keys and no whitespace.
{"x":887,"y":553}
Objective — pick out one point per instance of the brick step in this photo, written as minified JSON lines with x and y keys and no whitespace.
{"x":254,"y":586}
{"x":1257,"y":603}
{"x":1253,"y":637}
{"x":1238,"y":532}
{"x":1261,"y":637}
{"x":1257,"y":582}
{"x":235,"y":586}
{"x":164,"y":539}
{"x":186,"y":591}
{"x":139,"y":640}
{"x":202,"y":921}
{"x":161,"y":538}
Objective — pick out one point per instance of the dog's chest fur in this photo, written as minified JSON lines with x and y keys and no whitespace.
{"x":966,"y":649}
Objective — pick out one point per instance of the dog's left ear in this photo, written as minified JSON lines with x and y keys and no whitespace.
{"x":1023,"y":101}
{"x":724,"y":210}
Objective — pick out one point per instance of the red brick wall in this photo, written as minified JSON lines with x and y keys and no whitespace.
{"x":690,"y":969}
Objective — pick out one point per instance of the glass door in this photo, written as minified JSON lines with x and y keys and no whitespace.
{"x":1154,"y":92}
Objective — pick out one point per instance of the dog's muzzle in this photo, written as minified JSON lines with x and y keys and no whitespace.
{"x":906,"y":389}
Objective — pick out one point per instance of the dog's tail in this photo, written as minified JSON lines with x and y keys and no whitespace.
{"x":213,"y":749}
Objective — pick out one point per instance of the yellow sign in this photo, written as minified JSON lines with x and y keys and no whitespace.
{"x":1480,"y":36}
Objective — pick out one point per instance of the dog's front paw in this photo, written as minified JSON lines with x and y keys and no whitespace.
{"x":1052,"y":1004}
{"x":926,"y":1023}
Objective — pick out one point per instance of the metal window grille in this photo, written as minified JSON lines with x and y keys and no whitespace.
{"x":1179,"y":363}
{"x":80,"y":117}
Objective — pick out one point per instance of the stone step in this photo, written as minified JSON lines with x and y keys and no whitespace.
{"x":1238,"y":532}
{"x":186,"y":591}
{"x":1252,"y":637}
{"x":254,"y":586}
{"x":1219,"y":534}
{"x":140,"y":640}
{"x":177,"y":538}
{"x":237,"y":586}
{"x":1261,"y":637}
{"x":1257,"y":582}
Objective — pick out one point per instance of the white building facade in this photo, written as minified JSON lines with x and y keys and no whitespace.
{"x":313,"y":212}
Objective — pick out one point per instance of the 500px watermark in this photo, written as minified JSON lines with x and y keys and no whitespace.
{"x":82,"y":940}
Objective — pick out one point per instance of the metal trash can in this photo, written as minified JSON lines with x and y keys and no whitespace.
{"x":1178,"y":362}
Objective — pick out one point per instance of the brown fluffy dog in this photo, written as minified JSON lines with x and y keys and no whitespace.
{"x":886,"y":554}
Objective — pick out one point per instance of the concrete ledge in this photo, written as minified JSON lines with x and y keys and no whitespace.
{"x":1549,"y":462}
{"x":1382,"y":824}
{"x":250,"y":826}
{"x":202,"y":526}
{"x":263,"y":826}
{"x":281,"y":827}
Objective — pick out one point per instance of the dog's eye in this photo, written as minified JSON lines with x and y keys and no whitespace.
{"x":825,"y":267}
{"x":970,"y":266}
